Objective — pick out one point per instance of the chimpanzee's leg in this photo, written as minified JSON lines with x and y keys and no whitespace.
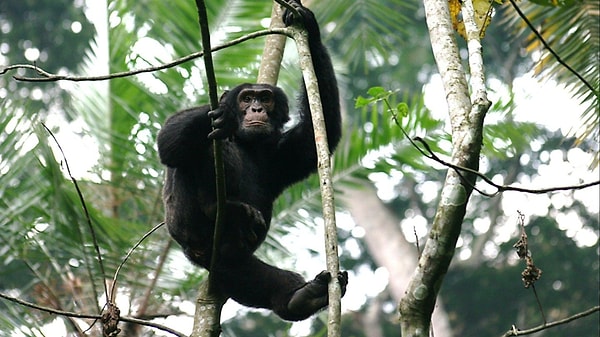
{"x":254,"y":283}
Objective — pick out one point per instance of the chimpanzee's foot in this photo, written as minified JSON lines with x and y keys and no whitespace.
{"x":312,"y":297}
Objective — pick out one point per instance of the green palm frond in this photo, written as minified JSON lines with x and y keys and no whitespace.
{"x":572,"y":31}
{"x":375,"y":134}
{"x":367,"y":32}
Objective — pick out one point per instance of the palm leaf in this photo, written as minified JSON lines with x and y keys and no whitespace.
{"x":572,"y":31}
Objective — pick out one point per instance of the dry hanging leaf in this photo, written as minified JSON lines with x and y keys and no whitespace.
{"x":483,"y":15}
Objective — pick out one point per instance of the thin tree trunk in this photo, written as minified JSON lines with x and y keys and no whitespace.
{"x":387,"y":245}
{"x":466,"y":119}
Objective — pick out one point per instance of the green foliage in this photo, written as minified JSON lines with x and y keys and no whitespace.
{"x":48,"y":255}
{"x":571,"y":29}
{"x":556,"y":3}
{"x":58,"y":29}
{"x":379,"y":135}
{"x":364,"y":31}
{"x":504,"y":137}
{"x":54,"y":34}
{"x":380,"y":94}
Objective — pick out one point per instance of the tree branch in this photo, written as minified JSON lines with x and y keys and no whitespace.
{"x":461,"y":170}
{"x":270,"y":63}
{"x":210,"y":301}
{"x":49,"y":77}
{"x":326,"y":183}
{"x":514,"y":331}
{"x":88,"y":316}
{"x":466,"y":118}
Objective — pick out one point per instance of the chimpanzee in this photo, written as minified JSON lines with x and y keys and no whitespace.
{"x":260,"y":160}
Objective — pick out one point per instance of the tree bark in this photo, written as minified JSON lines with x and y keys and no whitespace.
{"x":466,"y":120}
{"x":270,"y":63}
{"x":387,"y":245}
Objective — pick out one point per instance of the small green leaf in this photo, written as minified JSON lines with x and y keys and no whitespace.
{"x":402,"y":109}
{"x":361,"y":102}
{"x":377,"y":92}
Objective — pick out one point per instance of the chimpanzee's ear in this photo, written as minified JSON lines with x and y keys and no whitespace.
{"x":223,"y":95}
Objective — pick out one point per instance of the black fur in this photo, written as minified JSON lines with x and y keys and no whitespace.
{"x":258,"y":166}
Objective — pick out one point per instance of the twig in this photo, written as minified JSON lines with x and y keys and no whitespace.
{"x":114,"y":282}
{"x":217,"y":146}
{"x":514,"y":331}
{"x":85,"y":209}
{"x":210,"y":301}
{"x":547,"y":46}
{"x":162,"y":259}
{"x":532,"y":273}
{"x":49,"y":77}
{"x":539,"y":302}
{"x":428,"y":153}
{"x":500,"y":188}
{"x":88,"y":316}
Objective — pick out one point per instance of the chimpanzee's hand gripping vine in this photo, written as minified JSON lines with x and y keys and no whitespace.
{"x":260,"y":162}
